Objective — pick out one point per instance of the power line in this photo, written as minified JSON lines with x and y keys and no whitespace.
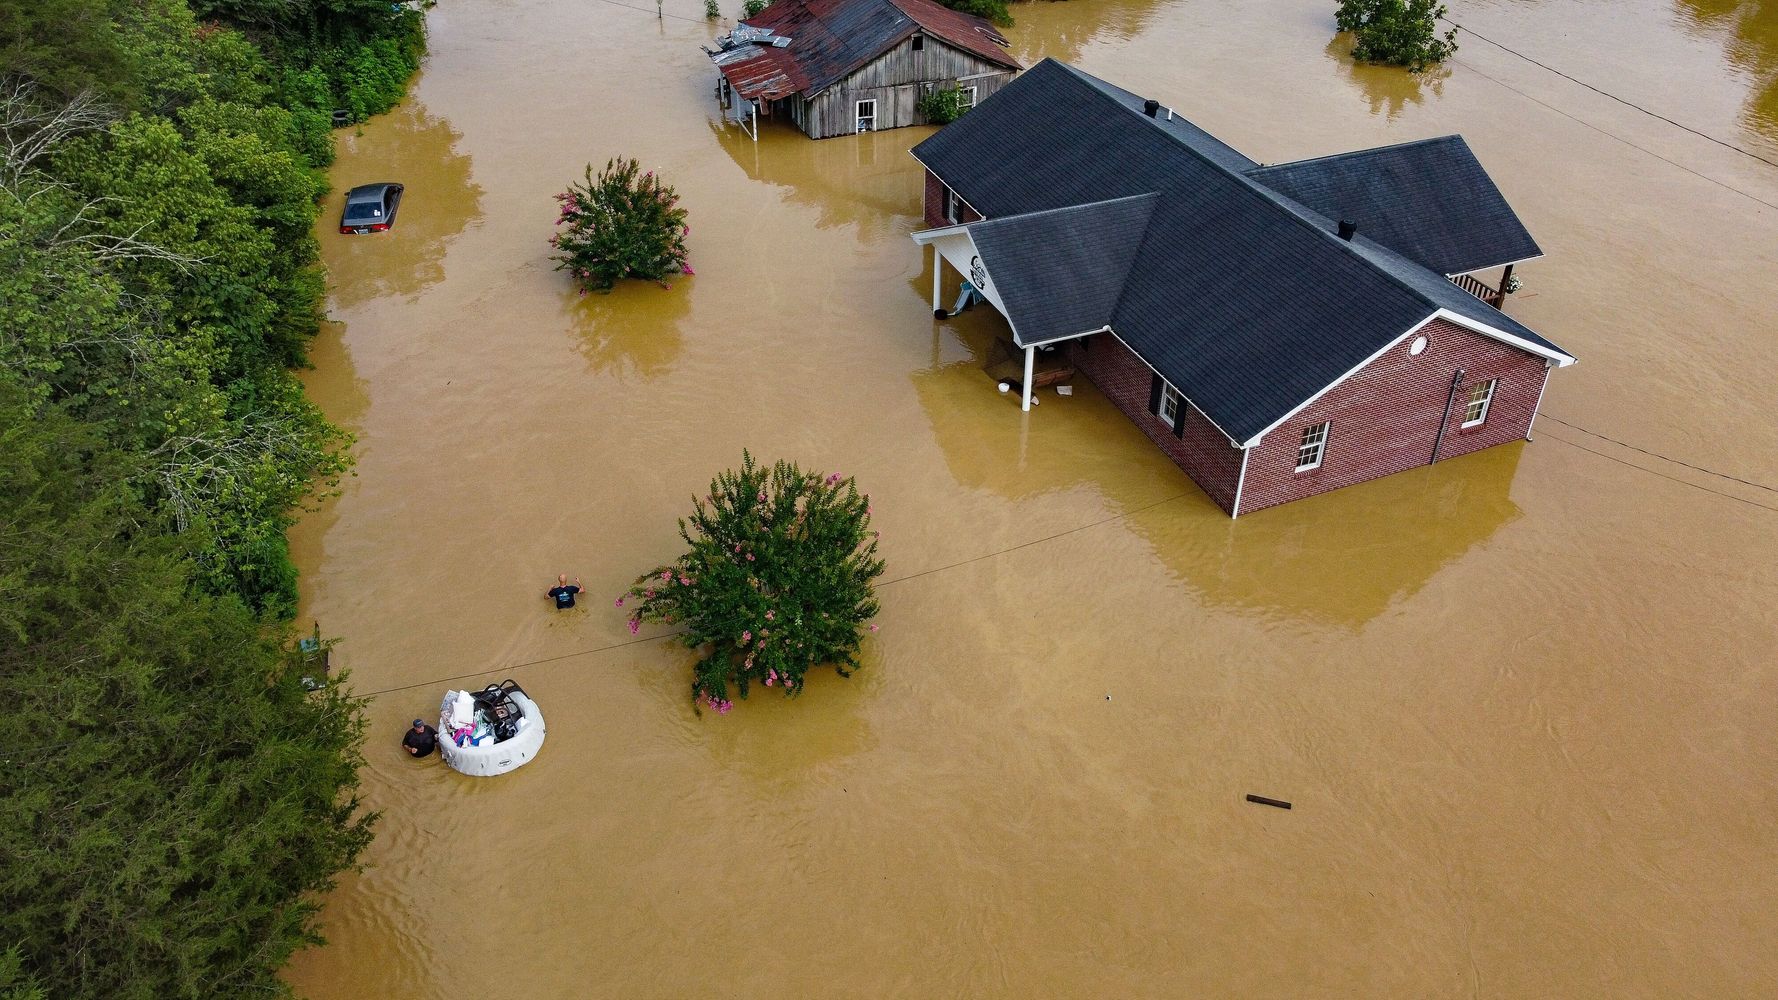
{"x":1603,"y":93}
{"x":1663,"y":475}
{"x":1656,"y":454}
{"x":658,"y":12}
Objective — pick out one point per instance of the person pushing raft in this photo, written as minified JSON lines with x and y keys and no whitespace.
{"x":421,"y":740}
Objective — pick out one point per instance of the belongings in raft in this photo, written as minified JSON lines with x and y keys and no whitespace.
{"x":490,"y":731}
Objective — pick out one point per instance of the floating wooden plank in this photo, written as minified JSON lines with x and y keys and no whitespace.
{"x":1262,"y":800}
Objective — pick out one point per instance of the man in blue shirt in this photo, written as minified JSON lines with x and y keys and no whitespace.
{"x":563,"y":592}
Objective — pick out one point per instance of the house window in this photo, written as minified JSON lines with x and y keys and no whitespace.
{"x":1169,"y":409}
{"x":1480,"y":398}
{"x":867,"y":116}
{"x":968,"y":95}
{"x":1311,"y":448}
{"x":953,"y":213}
{"x":919,"y":42}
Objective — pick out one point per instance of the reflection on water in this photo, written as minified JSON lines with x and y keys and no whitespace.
{"x":415,"y":148}
{"x":1750,"y":33}
{"x":1041,"y":33}
{"x":860,"y":181}
{"x":1388,"y":89}
{"x":633,"y":329}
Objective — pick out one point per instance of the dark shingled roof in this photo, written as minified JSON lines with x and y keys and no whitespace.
{"x":1430,"y":201}
{"x":831,"y":38}
{"x":1240,"y":297}
{"x":1060,"y":272}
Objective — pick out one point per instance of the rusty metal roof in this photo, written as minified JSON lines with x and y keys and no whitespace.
{"x":824,"y":40}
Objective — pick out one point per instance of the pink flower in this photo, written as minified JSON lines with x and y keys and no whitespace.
{"x":686,"y":269}
{"x":771,"y":680}
{"x":635,"y":625}
{"x":768,"y":614}
{"x":873,"y":628}
{"x":749,"y":557}
{"x":618,"y":603}
{"x":646,"y":594}
{"x":747,"y":636}
{"x":737,"y":546}
{"x":748,"y":662}
{"x":761,"y":644}
{"x":723,"y":709}
{"x":762,"y":498}
{"x":685,"y":581}
{"x":666,"y":574}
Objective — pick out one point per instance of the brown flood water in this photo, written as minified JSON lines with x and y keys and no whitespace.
{"x":1524,"y":702}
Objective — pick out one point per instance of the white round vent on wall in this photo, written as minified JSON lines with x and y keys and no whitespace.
{"x":1417,"y":346}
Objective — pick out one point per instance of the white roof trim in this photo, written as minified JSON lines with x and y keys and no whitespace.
{"x":925,"y":236}
{"x":1137,"y":355}
{"x":1555,"y":357}
{"x":1504,"y":263}
{"x":1071,"y":336}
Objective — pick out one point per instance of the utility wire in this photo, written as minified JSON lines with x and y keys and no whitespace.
{"x":1663,"y":475}
{"x":1603,"y":93}
{"x":1656,"y":454}
{"x":659,"y":12}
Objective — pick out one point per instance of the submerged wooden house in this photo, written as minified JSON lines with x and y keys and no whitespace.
{"x":840,"y":67}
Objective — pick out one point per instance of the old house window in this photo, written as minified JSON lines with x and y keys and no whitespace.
{"x":1480,"y":398}
{"x":1169,"y":410}
{"x":1311,"y":448}
{"x":919,"y":42}
{"x":968,"y":94}
{"x":867,"y":116}
{"x":951,"y":202}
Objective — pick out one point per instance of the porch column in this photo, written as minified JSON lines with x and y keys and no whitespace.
{"x":1030,"y":363}
{"x":938,"y":264}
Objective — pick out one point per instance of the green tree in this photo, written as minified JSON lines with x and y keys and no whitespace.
{"x":1397,"y":32}
{"x":942,"y":107}
{"x":990,"y":10}
{"x":624,"y":224}
{"x":173,"y":798}
{"x":777,"y":580}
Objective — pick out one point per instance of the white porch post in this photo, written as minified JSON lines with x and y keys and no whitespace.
{"x":938,"y":264}
{"x":1030,"y":363}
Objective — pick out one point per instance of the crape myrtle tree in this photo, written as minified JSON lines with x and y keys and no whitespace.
{"x":1397,"y":32}
{"x":622,"y":224}
{"x":776,"y":580}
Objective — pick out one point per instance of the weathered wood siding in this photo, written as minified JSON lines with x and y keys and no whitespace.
{"x":895,"y":80}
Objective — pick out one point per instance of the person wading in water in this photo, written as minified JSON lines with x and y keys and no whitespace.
{"x":421,"y":740}
{"x":564,"y":592}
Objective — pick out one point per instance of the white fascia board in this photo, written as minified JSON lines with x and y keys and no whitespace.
{"x":954,"y":191}
{"x":1557,"y":358}
{"x":926,"y":236}
{"x":1071,"y":336}
{"x":1561,"y":360}
{"x":1490,"y":267}
{"x":956,"y":245}
{"x":1138,"y":356}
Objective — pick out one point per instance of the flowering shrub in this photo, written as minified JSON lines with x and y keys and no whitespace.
{"x":623,"y":224}
{"x":777,"y":580}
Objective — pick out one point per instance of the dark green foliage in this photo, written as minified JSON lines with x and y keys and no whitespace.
{"x":777,"y":580}
{"x":711,"y":11}
{"x":942,"y":107}
{"x":172,"y":799}
{"x":991,"y":10}
{"x":749,"y":8}
{"x":1397,"y":32}
{"x":622,"y":224}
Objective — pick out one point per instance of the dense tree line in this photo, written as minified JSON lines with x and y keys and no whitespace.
{"x":172,"y":798}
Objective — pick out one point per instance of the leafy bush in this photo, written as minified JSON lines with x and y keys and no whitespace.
{"x":942,"y":107}
{"x":751,"y":8}
{"x":624,"y":223}
{"x":712,"y":11}
{"x":777,"y":580}
{"x":1397,"y":32}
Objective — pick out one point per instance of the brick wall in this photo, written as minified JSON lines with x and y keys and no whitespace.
{"x":1385,"y":417}
{"x":935,"y":205}
{"x":1202,"y":451}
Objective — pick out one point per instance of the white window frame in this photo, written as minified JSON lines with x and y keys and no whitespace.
{"x":952,"y":205}
{"x":859,"y":116}
{"x":969,"y":96}
{"x":1313,"y":446}
{"x":1171,"y":401}
{"x":1480,"y":405}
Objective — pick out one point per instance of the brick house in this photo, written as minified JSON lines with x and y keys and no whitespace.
{"x":1279,"y":331}
{"x":840,"y":67}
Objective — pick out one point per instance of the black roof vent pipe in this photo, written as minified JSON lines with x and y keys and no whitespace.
{"x":1151,"y":108}
{"x":1348,"y":229}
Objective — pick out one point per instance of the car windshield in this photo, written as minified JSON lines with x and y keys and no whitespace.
{"x":364,"y":210}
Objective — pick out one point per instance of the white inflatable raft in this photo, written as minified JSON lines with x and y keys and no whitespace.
{"x":491,"y":731}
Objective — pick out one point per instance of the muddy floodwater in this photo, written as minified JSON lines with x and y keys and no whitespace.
{"x":1524,"y":702}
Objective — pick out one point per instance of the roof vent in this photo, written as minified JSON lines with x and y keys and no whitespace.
{"x":1348,"y":229}
{"x":1150,"y":107}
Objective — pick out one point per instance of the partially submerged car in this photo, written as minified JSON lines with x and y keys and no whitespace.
{"x":370,"y":208}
